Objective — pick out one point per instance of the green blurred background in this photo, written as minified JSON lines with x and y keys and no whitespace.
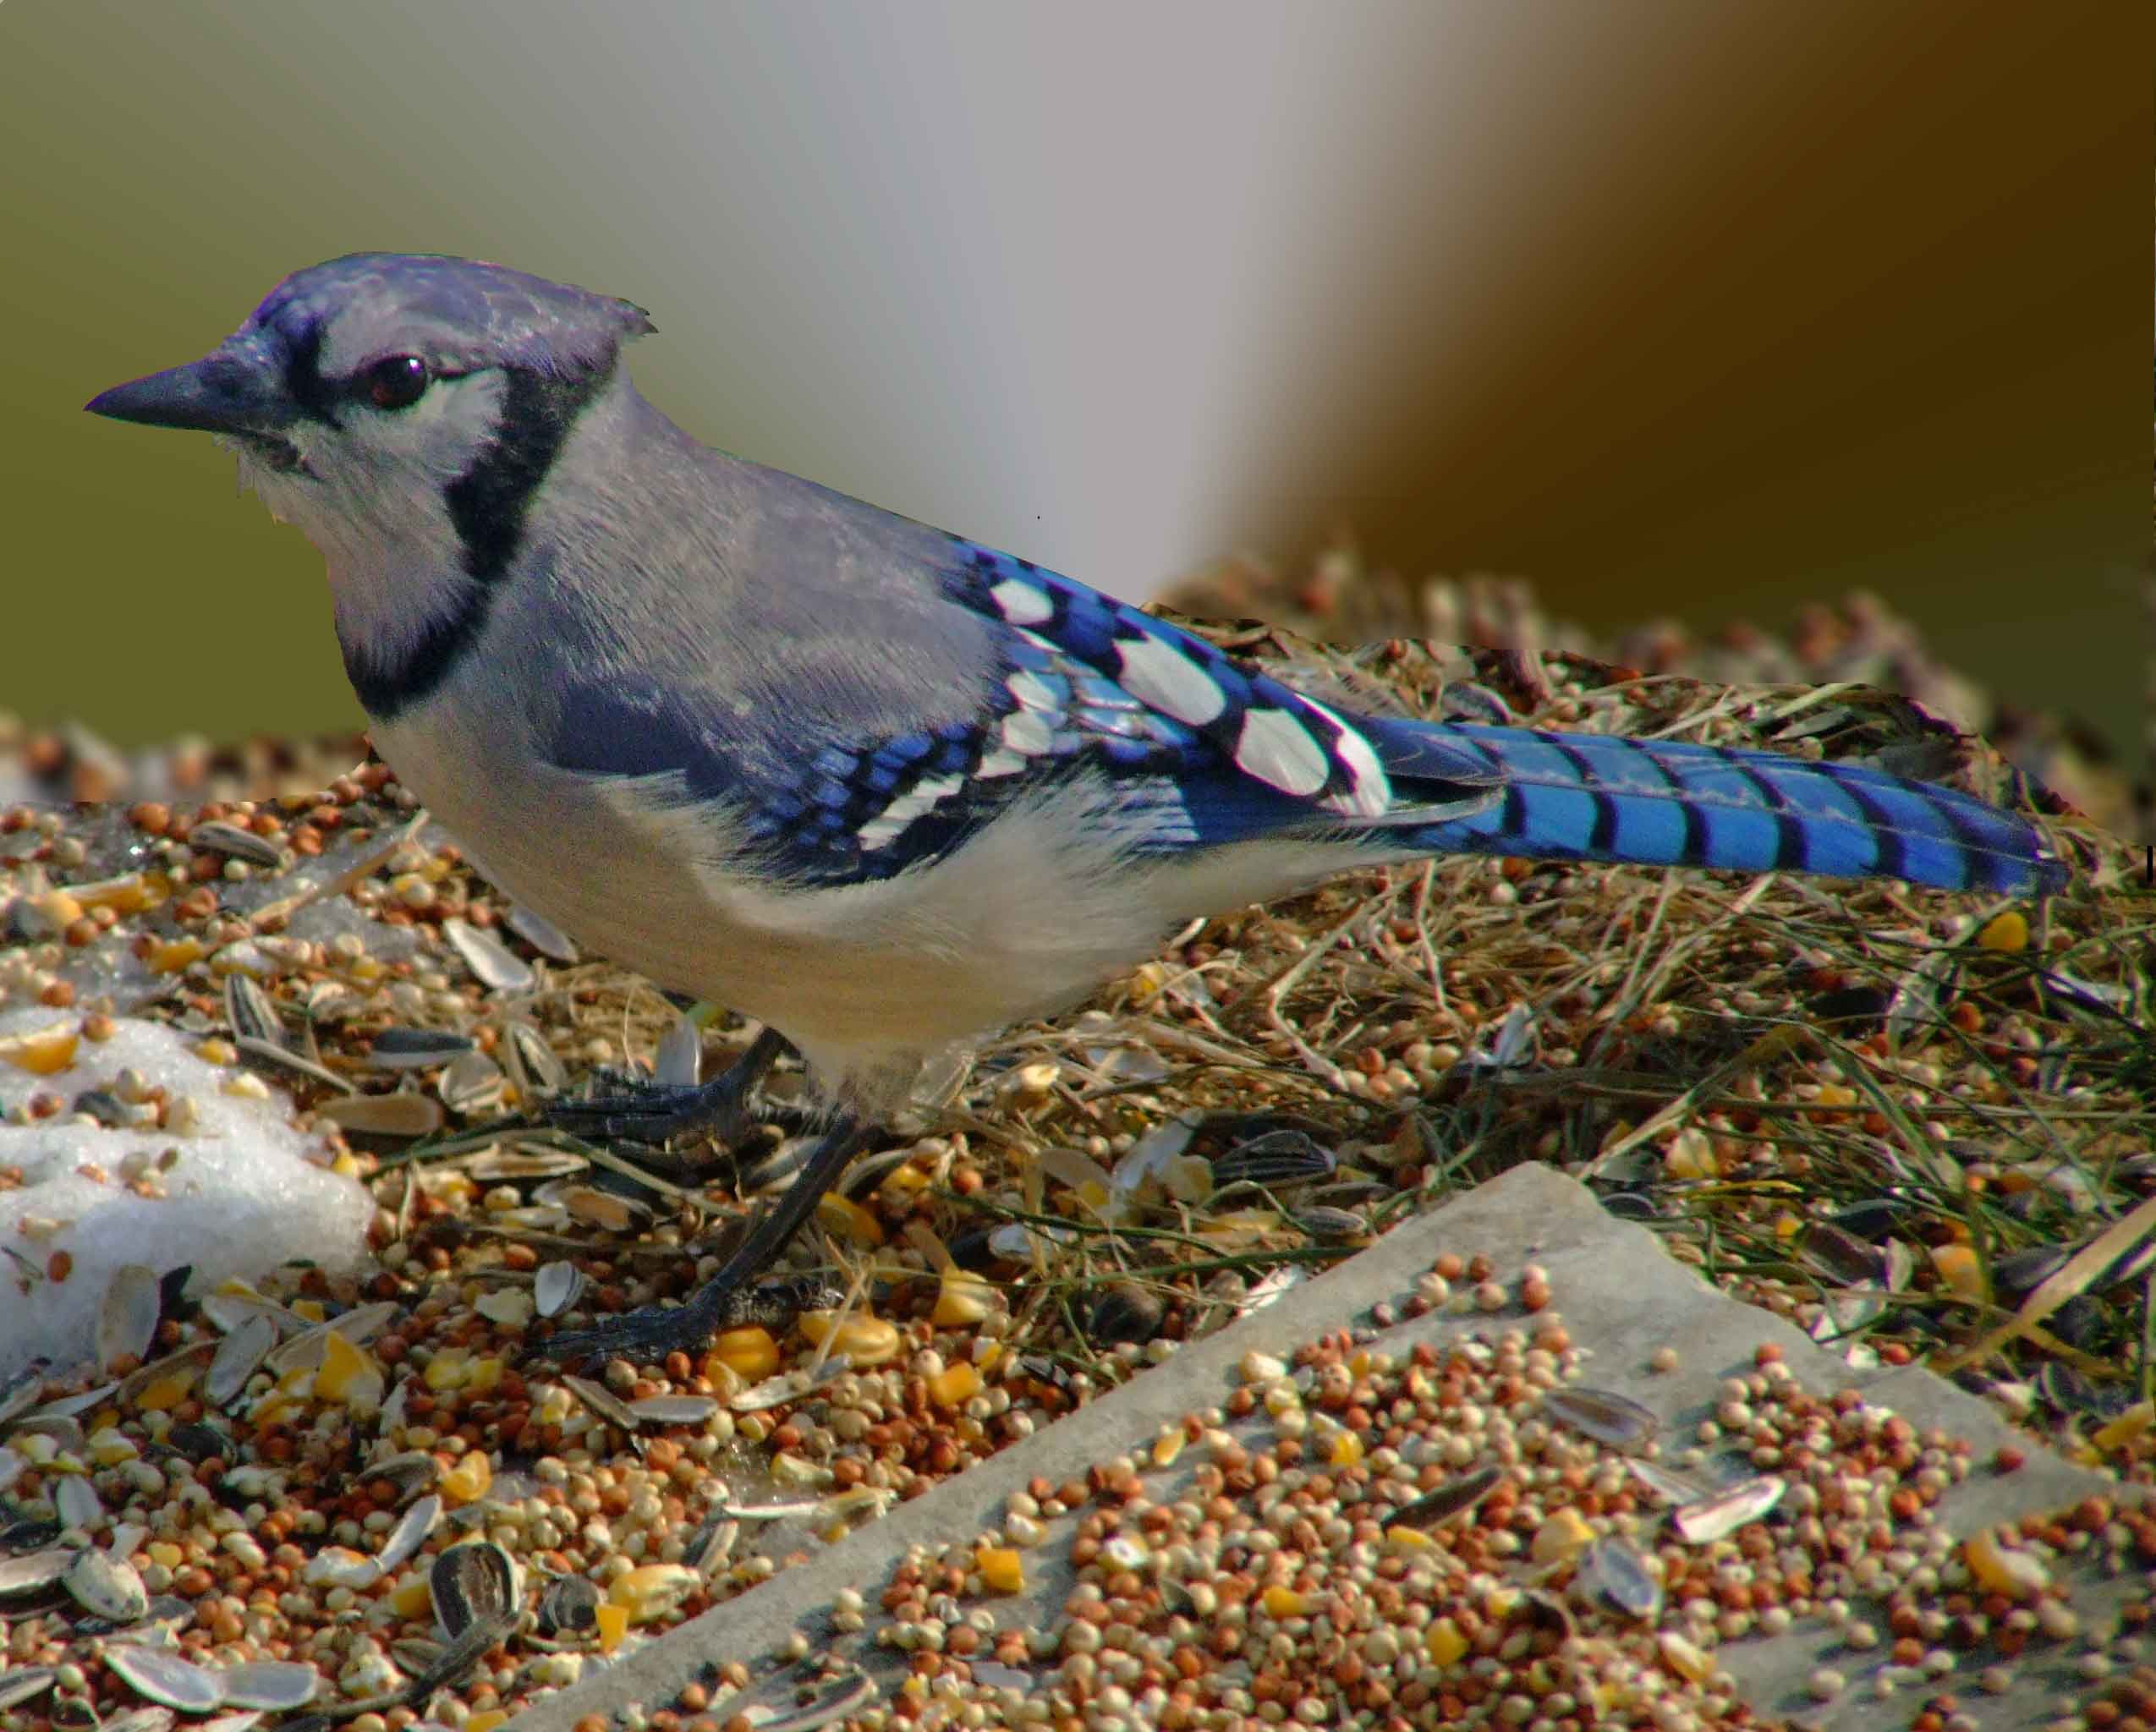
{"x":1682,"y":308}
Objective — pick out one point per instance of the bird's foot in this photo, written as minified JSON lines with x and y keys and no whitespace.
{"x":728,"y":1297}
{"x":648,"y":1334}
{"x":633,"y":1109}
{"x":654,"y":1331}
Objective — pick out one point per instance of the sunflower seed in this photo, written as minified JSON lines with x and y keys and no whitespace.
{"x":569,"y":1606}
{"x":712,"y":1543}
{"x":236,"y":1358}
{"x":141,"y":1720}
{"x":241,"y":844}
{"x":606,"y":1209}
{"x":534,"y":1066}
{"x":127,"y":1321}
{"x":786,"y":1386}
{"x":164,"y":1677}
{"x":75,"y":1500}
{"x":411,"y":1471}
{"x":68,"y":1407}
{"x":1125,"y":1311}
{"x":491,"y":962}
{"x":399,"y":1114}
{"x":542,"y":934}
{"x":409,"y":1534}
{"x":1666,"y":1483}
{"x":556,"y":1287}
{"x":1277,"y":1158}
{"x":33,"y":1572}
{"x":602,"y":1402}
{"x":673,"y":1410}
{"x":242,"y":1721}
{"x":1615,"y":1570}
{"x":842,"y":1697}
{"x":1615,"y":1420}
{"x":229,"y":1309}
{"x":418,"y":1655}
{"x":1331,"y":1227}
{"x":475,"y":1582}
{"x":470,"y":1084}
{"x":358,"y":1326}
{"x":680,"y":1061}
{"x":1721,"y":1516}
{"x":495,"y":1165}
{"x":284,"y":1059}
{"x":249,"y":1012}
{"x":22,"y":1391}
{"x":107,"y":1588}
{"x":1456,"y":1497}
{"x":23,"y":1685}
{"x":416,"y":1048}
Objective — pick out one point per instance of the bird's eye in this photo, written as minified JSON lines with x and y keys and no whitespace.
{"x":397,"y":383}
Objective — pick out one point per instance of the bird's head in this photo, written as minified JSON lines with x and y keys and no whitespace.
{"x":364,"y":396}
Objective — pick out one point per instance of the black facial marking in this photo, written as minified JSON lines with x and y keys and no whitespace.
{"x":316,"y":397}
{"x":488,"y":502}
{"x":488,"y":505}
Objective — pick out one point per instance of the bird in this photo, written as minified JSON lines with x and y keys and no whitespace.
{"x":879,"y":788}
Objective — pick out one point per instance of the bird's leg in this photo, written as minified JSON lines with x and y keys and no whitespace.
{"x":657,"y":1330}
{"x":652,"y":1112}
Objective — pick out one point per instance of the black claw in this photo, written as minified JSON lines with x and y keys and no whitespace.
{"x":643,"y":1111}
{"x":728,"y":1297}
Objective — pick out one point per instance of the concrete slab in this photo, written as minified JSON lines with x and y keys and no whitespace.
{"x":1621,"y":1297}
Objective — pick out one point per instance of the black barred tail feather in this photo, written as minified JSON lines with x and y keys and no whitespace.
{"x":1594,"y":797}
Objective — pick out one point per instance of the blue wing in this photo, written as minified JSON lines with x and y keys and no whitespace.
{"x":1191,"y":749}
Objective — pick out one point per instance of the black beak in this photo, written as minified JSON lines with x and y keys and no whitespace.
{"x":227,"y":390}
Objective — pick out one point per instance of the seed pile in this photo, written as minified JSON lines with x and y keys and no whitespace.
{"x":1857,"y":1106}
{"x":1398,"y":1528}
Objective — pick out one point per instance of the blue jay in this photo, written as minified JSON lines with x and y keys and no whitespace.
{"x":876,"y":787}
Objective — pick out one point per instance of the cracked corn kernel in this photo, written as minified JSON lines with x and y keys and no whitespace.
{"x":167,"y":1391}
{"x":413,"y":1597}
{"x":1684,"y":1658}
{"x":845,"y":1219}
{"x":1959,"y":1269}
{"x":748,"y":1353}
{"x":964,"y":1298}
{"x":612,"y":1622}
{"x":1002,"y":1568}
{"x":448,"y":1369}
{"x":866,"y":1341}
{"x":468,"y":1481}
{"x":348,"y":1376}
{"x":44,"y":1051}
{"x":955,"y":1385}
{"x":651,"y":1591}
{"x":2008,"y":932}
{"x":173,"y":954}
{"x":1562,"y":1538}
{"x":1446,"y":1643}
{"x":2019,"y":1575}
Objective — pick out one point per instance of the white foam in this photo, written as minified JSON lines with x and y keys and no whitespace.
{"x":241,"y":1198}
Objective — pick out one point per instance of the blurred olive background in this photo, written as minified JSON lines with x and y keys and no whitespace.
{"x":1676,"y":306}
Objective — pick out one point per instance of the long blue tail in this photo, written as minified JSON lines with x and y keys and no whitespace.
{"x":1594,"y":797}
